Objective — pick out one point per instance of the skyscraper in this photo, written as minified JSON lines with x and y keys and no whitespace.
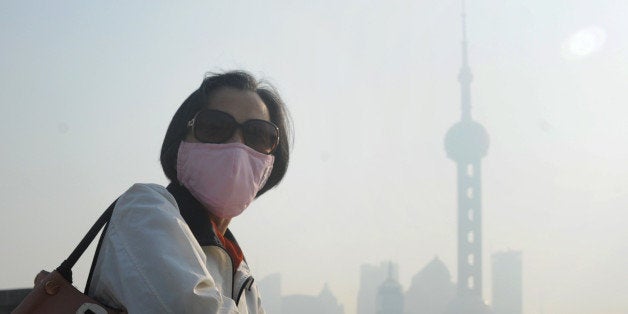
{"x":389,"y":295}
{"x":371,"y":277}
{"x":466,"y":143}
{"x":507,"y":282}
{"x":431,"y":290}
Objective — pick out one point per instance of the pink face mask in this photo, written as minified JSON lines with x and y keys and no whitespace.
{"x":224,"y":177}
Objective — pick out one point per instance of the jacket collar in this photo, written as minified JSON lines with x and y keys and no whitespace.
{"x":195,"y":215}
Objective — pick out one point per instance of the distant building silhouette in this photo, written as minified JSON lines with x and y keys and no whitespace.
{"x":329,"y":303}
{"x":389,"y":295}
{"x":274,"y":303}
{"x":270,"y":291}
{"x":431,"y":290}
{"x":299,"y":303}
{"x":466,"y":143}
{"x":507,"y":283}
{"x":324,"y":303}
{"x":371,"y":277}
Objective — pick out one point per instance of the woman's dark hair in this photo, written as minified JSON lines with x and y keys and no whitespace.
{"x":199,"y":99}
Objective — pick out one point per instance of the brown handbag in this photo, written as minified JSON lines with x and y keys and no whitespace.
{"x":54,"y":293}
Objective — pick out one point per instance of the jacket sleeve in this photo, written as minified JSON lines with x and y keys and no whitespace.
{"x":150,"y":261}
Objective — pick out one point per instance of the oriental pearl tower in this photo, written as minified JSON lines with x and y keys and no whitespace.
{"x":466,"y":143}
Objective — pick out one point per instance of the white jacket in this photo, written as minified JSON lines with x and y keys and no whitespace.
{"x":150,"y":261}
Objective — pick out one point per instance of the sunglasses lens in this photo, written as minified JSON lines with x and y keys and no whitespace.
{"x":260,"y":135}
{"x":212,"y":126}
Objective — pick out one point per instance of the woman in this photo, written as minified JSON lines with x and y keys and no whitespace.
{"x":169,"y":250}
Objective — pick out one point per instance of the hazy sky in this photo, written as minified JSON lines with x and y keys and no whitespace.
{"x":88,"y":89}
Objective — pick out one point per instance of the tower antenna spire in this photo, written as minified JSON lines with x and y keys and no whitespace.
{"x":465,"y":60}
{"x":465,"y":77}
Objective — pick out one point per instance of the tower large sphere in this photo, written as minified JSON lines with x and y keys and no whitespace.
{"x":466,"y":140}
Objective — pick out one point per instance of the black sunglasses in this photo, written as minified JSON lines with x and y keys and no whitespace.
{"x":215,"y":126}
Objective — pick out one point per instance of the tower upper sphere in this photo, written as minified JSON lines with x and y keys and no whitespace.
{"x":466,"y":140}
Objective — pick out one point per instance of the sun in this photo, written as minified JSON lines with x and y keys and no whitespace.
{"x":584,"y":42}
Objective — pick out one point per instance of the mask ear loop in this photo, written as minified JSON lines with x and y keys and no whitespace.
{"x":191,"y":122}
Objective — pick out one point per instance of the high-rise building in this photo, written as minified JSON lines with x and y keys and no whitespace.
{"x":371,"y":277}
{"x":431,"y":290}
{"x":389,"y":295}
{"x":507,"y":283}
{"x":466,"y":143}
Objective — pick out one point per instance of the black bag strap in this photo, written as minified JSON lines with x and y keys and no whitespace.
{"x":65,"y":269}
{"x":95,"y":259}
